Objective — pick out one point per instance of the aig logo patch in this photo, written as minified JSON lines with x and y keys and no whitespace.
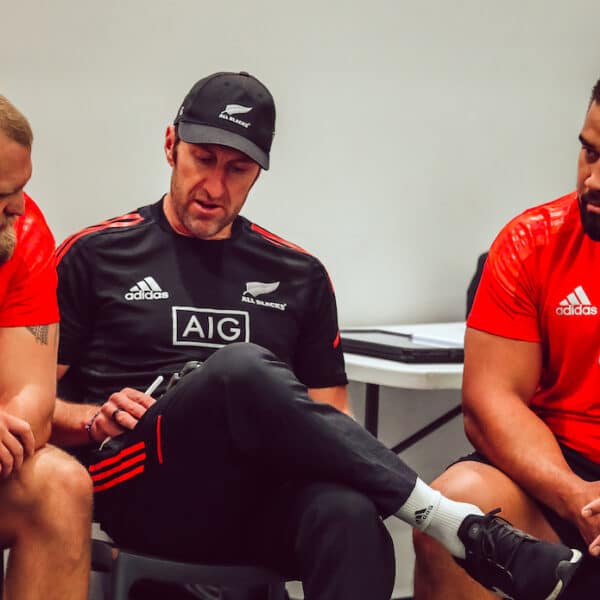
{"x":209,"y":327}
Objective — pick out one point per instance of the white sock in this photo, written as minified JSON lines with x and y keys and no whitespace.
{"x":429,"y":511}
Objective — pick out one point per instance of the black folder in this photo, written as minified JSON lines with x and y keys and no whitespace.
{"x":398,"y":346}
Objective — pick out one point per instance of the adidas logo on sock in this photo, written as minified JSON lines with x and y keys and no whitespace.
{"x":146,"y":289}
{"x":422,"y":514}
{"x":576,"y":303}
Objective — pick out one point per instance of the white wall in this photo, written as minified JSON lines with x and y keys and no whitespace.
{"x":409,"y":131}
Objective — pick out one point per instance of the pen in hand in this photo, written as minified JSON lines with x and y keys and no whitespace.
{"x":154,"y":385}
{"x":149,"y":391}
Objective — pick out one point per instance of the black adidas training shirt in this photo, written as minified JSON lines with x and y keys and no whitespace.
{"x":138,"y":300}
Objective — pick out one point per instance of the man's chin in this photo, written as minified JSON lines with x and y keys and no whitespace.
{"x":591,"y":226}
{"x":209,"y":230}
{"x":590,"y":221}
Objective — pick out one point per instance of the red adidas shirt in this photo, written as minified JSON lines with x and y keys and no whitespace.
{"x":540,"y":284}
{"x":28,"y":280}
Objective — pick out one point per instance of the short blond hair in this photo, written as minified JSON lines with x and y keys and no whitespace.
{"x":14,"y":125}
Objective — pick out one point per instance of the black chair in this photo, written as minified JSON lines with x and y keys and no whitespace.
{"x":125,"y":568}
{"x":474,"y":283}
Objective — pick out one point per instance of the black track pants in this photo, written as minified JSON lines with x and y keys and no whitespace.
{"x":237,"y":463}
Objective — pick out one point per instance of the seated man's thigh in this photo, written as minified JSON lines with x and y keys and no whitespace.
{"x":488,"y":487}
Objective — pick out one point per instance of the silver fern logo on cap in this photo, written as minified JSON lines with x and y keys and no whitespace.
{"x":235,"y":109}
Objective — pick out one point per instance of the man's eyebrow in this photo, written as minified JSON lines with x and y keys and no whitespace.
{"x":202,"y":148}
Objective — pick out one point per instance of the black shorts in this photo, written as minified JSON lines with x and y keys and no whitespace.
{"x":586,"y":584}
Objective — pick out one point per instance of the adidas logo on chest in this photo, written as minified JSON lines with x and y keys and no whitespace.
{"x":146,"y":289}
{"x":577,"y":303}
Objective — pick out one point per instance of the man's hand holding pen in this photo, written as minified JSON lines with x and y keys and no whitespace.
{"x":121,"y":412}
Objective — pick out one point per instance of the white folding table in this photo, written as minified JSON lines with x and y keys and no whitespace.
{"x":375,"y":372}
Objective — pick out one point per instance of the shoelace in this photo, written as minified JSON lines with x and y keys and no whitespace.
{"x":488,"y":541}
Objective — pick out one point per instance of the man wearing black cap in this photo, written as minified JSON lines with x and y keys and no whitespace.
{"x":236,"y":461}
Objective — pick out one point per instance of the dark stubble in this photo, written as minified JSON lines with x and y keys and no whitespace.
{"x":8,"y":241}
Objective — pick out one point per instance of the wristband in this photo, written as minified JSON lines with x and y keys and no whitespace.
{"x":88,"y":426}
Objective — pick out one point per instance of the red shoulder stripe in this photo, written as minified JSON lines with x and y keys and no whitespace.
{"x":275,"y":239}
{"x":279,"y":241}
{"x":131,"y":218}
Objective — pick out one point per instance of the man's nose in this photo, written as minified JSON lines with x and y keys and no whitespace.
{"x":14,"y":205}
{"x":214,"y":183}
{"x":592,"y":181}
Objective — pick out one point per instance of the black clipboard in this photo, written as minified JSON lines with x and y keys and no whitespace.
{"x":397,"y":346}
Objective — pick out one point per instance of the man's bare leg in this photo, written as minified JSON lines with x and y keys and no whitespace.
{"x":437,"y":576}
{"x":45,"y":519}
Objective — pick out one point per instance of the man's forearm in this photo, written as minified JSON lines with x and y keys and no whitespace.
{"x":517,"y":441}
{"x":68,"y":425}
{"x":27,"y":376}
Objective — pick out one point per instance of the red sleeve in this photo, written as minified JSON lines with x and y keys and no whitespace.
{"x":28,"y":279}
{"x":506,"y":300}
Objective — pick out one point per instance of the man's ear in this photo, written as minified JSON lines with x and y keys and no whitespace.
{"x":170,"y":144}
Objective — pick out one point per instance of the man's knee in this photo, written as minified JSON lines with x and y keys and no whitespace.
{"x":458,"y":481}
{"x":50,"y":498}
{"x":251,"y":374}
{"x":54,"y":486}
{"x":488,"y":488}
{"x":474,"y":482}
{"x":240,"y":361}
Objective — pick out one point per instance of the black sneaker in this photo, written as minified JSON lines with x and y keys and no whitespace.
{"x":513,"y":564}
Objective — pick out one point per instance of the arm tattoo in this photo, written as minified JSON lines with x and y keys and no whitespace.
{"x":40,"y":333}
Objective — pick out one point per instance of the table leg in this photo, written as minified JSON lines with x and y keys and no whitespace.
{"x":419,"y":435}
{"x":372,"y":408}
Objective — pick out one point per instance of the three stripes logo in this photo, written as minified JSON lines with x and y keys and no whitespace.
{"x":422,"y":514}
{"x":146,"y":289}
{"x":576,"y":303}
{"x":128,"y":463}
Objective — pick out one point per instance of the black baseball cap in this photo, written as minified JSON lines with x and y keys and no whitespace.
{"x":230,"y":109}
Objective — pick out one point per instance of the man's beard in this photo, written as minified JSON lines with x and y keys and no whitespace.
{"x":8,"y":240}
{"x":590,"y":220}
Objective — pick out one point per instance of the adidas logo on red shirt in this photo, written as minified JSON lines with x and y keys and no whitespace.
{"x":576,"y":303}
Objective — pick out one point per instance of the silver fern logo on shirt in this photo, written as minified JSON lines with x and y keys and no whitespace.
{"x":260,"y":288}
{"x":146,"y":289}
